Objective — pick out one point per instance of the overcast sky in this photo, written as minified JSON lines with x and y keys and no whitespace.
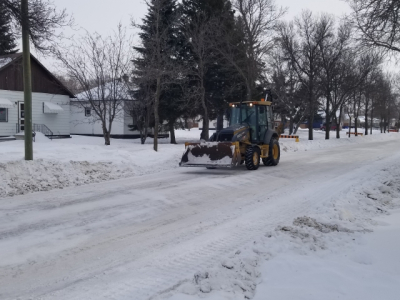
{"x":103,"y":16}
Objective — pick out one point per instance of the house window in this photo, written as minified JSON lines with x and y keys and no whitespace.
{"x":3,"y":115}
{"x":88,"y":112}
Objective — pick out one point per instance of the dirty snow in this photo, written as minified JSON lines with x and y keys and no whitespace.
{"x":205,"y":159}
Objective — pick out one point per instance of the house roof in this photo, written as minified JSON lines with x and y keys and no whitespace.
{"x":6,"y":60}
{"x":10,"y":59}
{"x":108,"y":91}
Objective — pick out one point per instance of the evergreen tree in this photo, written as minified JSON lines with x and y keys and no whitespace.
{"x":217,"y":80}
{"x":7,"y":40}
{"x":154,"y":69}
{"x":174,"y":101}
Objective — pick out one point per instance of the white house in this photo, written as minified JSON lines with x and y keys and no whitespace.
{"x":50,"y":99}
{"x":85,"y":121}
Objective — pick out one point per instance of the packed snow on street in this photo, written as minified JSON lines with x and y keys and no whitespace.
{"x":89,"y":221}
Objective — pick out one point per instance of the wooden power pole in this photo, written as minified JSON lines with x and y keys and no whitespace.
{"x":27,"y":81}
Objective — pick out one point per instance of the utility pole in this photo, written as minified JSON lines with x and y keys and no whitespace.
{"x":27,"y":81}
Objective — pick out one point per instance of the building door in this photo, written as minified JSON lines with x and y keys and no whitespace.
{"x":21,"y":116}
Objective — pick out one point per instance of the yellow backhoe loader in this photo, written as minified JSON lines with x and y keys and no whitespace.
{"x":249,"y":138}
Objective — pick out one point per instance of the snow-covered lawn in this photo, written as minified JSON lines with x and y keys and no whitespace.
{"x":81,"y":160}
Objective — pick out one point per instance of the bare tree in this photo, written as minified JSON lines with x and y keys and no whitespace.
{"x":44,"y":21}
{"x":288,"y":88}
{"x":300,"y":42}
{"x":385,"y":102}
{"x":256,"y":24}
{"x":378,"y":23}
{"x":105,"y":62}
{"x":396,"y":85}
{"x":370,"y":92}
{"x":333,"y":47}
{"x":344,"y":82}
{"x":70,"y":83}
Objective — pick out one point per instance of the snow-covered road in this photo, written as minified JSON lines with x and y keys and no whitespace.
{"x":140,"y":237}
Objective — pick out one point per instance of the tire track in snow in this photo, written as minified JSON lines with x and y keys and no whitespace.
{"x":231,"y":218}
{"x":200,"y":259}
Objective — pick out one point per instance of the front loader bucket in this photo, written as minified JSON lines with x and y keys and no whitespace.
{"x":211,"y":154}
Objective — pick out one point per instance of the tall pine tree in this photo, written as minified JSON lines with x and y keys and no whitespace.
{"x":155,"y":67}
{"x":7,"y":40}
{"x":215,"y":77}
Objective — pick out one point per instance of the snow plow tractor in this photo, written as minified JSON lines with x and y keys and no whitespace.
{"x":249,"y":138}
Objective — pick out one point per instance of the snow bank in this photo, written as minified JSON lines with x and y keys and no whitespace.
{"x":81,"y":160}
{"x":21,"y":177}
{"x":319,"y":142}
{"x":328,"y":254}
{"x":77,"y":161}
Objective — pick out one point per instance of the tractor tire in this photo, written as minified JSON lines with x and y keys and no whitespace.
{"x":252,"y":158}
{"x":274,"y":154}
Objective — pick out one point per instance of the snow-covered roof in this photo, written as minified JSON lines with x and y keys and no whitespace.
{"x":8,"y":58}
{"x":5,"y":61}
{"x":51,"y":108}
{"x":5,"y":103}
{"x":116,"y":90}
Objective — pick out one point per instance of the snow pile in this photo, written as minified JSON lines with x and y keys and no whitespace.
{"x":21,"y":177}
{"x":319,"y":256}
{"x":79,"y":160}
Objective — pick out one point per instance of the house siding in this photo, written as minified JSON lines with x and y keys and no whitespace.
{"x":57,"y":123}
{"x":10,"y":128}
{"x":128,"y":120}
{"x":83,"y":125}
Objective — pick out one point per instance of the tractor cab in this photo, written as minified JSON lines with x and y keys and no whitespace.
{"x":256,"y":115}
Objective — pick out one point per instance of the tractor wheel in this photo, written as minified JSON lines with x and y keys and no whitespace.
{"x":274,"y":154}
{"x":252,"y":158}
